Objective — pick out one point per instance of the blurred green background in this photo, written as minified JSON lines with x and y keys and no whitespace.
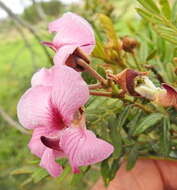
{"x":21,"y":54}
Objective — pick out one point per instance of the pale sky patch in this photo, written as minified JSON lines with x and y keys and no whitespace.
{"x":17,"y":6}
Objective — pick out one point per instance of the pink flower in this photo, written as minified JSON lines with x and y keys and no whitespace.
{"x":168,"y":97}
{"x":72,"y":31}
{"x":52,"y":108}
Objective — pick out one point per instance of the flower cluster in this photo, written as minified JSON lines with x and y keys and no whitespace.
{"x":53,"y":106}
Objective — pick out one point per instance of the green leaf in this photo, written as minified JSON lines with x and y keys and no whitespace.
{"x":27,"y":181}
{"x":23,"y":170}
{"x":149,"y":5}
{"x":132,"y":157}
{"x":77,"y":178}
{"x":105,"y":171}
{"x":167,"y":33}
{"x":39,"y":174}
{"x":115,"y":138}
{"x":174,"y":11}
{"x":147,"y":122}
{"x":101,"y":71}
{"x":100,"y":110}
{"x":162,"y":25}
{"x":151,"y":55}
{"x":123,"y":116}
{"x":114,"y":167}
{"x":63,"y":175}
{"x":149,"y":16}
{"x":133,"y":123}
{"x":165,"y":7}
{"x":165,"y":138}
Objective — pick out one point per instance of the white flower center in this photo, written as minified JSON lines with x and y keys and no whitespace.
{"x":147,"y":88}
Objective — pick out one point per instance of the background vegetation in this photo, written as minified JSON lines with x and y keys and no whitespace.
{"x":21,"y":54}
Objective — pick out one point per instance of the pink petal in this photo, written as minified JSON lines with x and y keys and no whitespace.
{"x":69,"y":92}
{"x":33,"y":109}
{"x":53,"y":106}
{"x":48,"y":162}
{"x":63,"y":53}
{"x":46,"y":154}
{"x":42,"y":77}
{"x":88,"y":48}
{"x":35,"y":144}
{"x":72,"y":29}
{"x":83,"y":148}
{"x":168,"y":98}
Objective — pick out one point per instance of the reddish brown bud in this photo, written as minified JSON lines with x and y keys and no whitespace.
{"x":129,"y":44}
{"x":75,"y":57}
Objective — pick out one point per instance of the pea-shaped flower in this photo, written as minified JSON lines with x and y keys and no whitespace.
{"x":52,"y":107}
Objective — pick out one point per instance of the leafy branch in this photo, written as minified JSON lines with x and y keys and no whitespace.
{"x":160,"y":18}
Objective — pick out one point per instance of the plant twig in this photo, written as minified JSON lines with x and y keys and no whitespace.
{"x":101,"y":93}
{"x":92,"y":71}
{"x":12,"y":122}
{"x":95,"y":86}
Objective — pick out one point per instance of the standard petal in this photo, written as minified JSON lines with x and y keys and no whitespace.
{"x":42,"y":77}
{"x":63,"y":53}
{"x":48,"y":162}
{"x":33,"y":109}
{"x":88,"y":48}
{"x":72,"y":29}
{"x":83,"y":148}
{"x":69,"y":92}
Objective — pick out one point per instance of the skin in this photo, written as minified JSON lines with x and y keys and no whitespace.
{"x":146,"y":175}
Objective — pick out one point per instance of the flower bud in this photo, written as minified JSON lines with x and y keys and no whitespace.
{"x":129,"y":44}
{"x":73,"y":60}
